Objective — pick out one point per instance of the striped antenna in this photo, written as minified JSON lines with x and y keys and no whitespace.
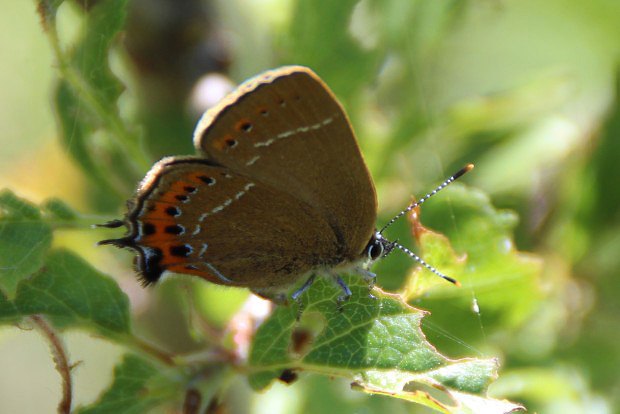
{"x":426,"y":265}
{"x":443,"y":185}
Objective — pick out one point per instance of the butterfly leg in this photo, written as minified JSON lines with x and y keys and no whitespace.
{"x":370,"y":278}
{"x":295,"y":296}
{"x":345,"y":289}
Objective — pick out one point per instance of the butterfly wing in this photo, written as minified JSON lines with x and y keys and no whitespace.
{"x":286,"y":129}
{"x":195,"y":217}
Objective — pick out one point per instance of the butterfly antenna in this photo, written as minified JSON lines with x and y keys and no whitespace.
{"x":423,"y":263}
{"x":443,"y":185}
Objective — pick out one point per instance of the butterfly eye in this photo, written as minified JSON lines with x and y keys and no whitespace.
{"x":375,"y":250}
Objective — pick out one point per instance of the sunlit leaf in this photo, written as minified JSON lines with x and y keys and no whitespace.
{"x":375,"y":342}
{"x":481,"y":254}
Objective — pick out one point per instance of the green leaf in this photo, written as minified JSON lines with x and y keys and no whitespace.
{"x":504,"y":281}
{"x":70,"y":293}
{"x":73,"y":294}
{"x":13,"y":206}
{"x":138,"y":387}
{"x":376,"y":343}
{"x":24,"y":240}
{"x":86,"y":103}
{"x":76,"y":129}
{"x":102,"y":22}
{"x":58,"y":209}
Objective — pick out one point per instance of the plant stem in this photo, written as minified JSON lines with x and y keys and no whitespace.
{"x":61,"y":361}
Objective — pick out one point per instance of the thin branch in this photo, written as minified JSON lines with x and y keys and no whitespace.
{"x":149,"y":349}
{"x":61,"y":361}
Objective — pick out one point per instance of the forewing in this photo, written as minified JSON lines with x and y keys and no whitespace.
{"x":286,"y":129}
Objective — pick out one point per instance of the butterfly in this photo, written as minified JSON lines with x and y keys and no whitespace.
{"x":279,"y":193}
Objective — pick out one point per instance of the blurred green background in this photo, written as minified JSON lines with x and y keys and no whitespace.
{"x":527,"y":90}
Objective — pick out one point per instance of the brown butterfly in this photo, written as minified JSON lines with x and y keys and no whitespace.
{"x":279,"y":192}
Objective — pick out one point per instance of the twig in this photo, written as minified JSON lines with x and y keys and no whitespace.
{"x":149,"y":349}
{"x":61,"y":361}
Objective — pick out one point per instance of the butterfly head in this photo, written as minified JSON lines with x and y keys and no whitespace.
{"x":378,"y":247}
